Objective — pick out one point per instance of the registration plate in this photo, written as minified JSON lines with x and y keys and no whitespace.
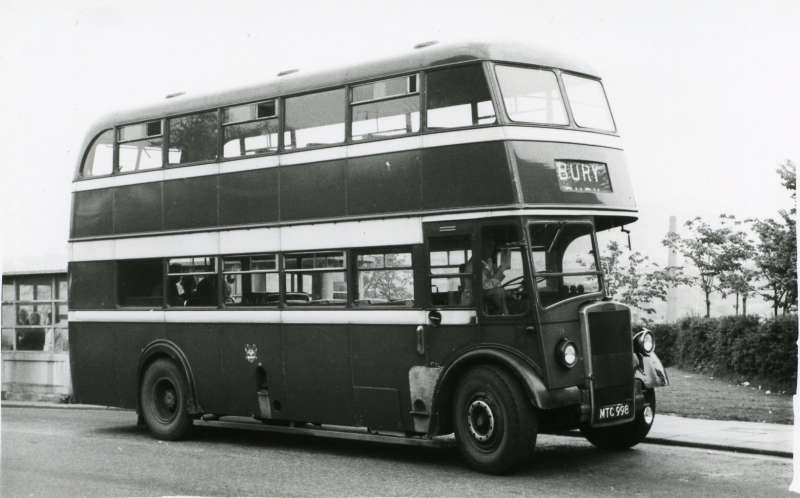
{"x":582,"y":176}
{"x":608,"y":413}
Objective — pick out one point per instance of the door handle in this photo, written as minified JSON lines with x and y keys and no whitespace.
{"x":420,"y":339}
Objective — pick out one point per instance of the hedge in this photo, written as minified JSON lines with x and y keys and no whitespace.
{"x":746,"y":346}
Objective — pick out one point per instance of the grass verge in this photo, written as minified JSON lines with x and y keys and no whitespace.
{"x":700,"y":395}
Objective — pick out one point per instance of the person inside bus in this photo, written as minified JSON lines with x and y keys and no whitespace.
{"x":493,"y":274}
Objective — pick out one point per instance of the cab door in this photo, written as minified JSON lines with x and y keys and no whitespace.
{"x":505,"y":305}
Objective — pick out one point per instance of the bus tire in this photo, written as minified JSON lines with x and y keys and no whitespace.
{"x":163,"y":397}
{"x":622,"y":437}
{"x":495,"y":424}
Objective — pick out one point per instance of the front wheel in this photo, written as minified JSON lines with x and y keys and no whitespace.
{"x":622,"y":437}
{"x":163,"y":399}
{"x":495,"y":424}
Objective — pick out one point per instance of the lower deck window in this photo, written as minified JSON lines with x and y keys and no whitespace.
{"x":316,"y":278}
{"x":251,"y":280}
{"x":192,"y":282}
{"x":384,"y":278}
{"x":140,"y":282}
{"x":451,"y":271}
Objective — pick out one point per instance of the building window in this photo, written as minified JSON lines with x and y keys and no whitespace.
{"x":99,"y":161}
{"x":315,"y":119}
{"x":140,"y":146}
{"x":141,"y":282}
{"x":250,"y":129}
{"x":251,"y":280}
{"x":385,"y":108}
{"x":317,"y":278}
{"x":458,"y":97}
{"x":451,"y":271}
{"x":34,"y":313}
{"x":192,"y":281}
{"x":193,"y":138}
{"x":384,"y":278}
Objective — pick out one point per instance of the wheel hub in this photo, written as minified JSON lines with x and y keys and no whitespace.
{"x":480,"y":420}
{"x":166,"y":400}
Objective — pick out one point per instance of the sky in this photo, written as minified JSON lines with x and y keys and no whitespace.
{"x":706,"y":95}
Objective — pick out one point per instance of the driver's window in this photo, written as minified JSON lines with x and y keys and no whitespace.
{"x":502,"y":271}
{"x":564,"y":261}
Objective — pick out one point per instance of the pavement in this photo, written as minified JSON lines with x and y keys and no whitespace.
{"x":671,"y":430}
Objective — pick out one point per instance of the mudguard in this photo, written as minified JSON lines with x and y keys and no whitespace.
{"x":522,"y":370}
{"x":650,"y":371}
{"x":165,"y":348}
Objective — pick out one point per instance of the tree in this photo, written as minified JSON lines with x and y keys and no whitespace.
{"x":635,"y":280}
{"x":715,"y":251}
{"x":777,"y":249}
{"x":383,"y":282}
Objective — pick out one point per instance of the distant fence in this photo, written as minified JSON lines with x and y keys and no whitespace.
{"x":745,"y":346}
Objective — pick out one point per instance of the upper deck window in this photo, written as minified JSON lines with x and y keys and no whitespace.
{"x":588,"y":102}
{"x":458,"y":97}
{"x":385,"y":108}
{"x":250,"y":129}
{"x":314,"y":119}
{"x":140,"y":146}
{"x":193,"y":138}
{"x":100,"y":158}
{"x":531,"y":95}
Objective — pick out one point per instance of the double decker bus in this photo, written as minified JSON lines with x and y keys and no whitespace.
{"x":406,"y":246}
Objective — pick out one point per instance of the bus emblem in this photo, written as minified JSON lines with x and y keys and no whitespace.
{"x":250,"y":351}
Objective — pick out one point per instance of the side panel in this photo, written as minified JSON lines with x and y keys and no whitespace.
{"x":381,"y":358}
{"x":129,"y":217}
{"x":248,"y":197}
{"x":92,"y":213}
{"x":313,"y":191}
{"x":318,"y":378}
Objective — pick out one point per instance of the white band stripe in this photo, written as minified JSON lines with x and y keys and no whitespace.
{"x":274,"y":316}
{"x":367,"y":233}
{"x":476,"y":135}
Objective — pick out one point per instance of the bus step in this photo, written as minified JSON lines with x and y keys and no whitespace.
{"x":331,"y":431}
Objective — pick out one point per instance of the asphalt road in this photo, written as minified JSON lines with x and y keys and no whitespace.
{"x":55,"y":452}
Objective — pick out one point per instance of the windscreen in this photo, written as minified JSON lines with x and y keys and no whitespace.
{"x":564,"y":260}
{"x":531,"y":95}
{"x":588,"y":102}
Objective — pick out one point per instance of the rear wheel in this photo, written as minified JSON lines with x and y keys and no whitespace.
{"x":495,"y":424}
{"x":163,"y":395}
{"x":622,"y":437}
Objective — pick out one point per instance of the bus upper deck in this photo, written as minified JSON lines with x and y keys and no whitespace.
{"x":446,"y":129}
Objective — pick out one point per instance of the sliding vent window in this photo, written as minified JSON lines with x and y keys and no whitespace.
{"x":251,"y":280}
{"x":317,"y":278}
{"x":315,"y":119}
{"x":588,"y":102}
{"x":531,"y":95}
{"x":99,"y":160}
{"x":451,"y":271}
{"x":250,"y":129}
{"x":385,"y":279}
{"x":140,"y":146}
{"x":459,"y":97}
{"x":192,"y":281}
{"x":141,"y":282}
{"x":193,"y":138}
{"x":385,"y":108}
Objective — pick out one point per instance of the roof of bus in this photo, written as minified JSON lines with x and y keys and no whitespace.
{"x":300,"y":82}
